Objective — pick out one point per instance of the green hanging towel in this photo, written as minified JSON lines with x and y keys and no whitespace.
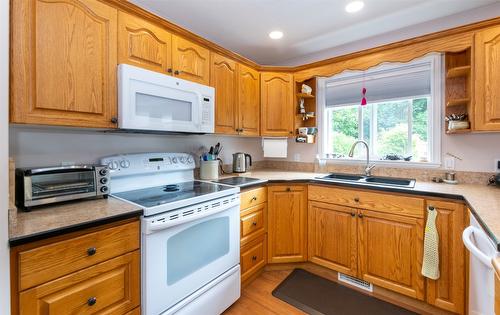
{"x":430,"y":267}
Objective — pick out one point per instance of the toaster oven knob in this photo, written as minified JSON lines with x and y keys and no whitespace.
{"x":103,"y":172}
{"x":104,"y":189}
{"x":104,"y":180}
{"x":125,"y":163}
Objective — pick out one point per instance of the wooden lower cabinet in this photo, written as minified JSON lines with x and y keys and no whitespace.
{"x":287,"y":223}
{"x":390,"y":252}
{"x":448,"y":292}
{"x":332,"y":237}
{"x":112,"y":287}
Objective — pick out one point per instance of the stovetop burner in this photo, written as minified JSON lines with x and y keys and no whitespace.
{"x":170,"y":188}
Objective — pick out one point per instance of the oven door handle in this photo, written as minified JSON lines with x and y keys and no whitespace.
{"x":467,"y":235}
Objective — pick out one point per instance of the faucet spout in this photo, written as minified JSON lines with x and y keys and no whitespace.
{"x":368,"y":168}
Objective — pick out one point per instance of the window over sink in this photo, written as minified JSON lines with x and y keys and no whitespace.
{"x":401,"y":121}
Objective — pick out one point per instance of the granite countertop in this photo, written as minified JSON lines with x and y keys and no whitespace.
{"x":483,"y":200}
{"x":66,"y":217}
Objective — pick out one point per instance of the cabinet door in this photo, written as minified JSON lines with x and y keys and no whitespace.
{"x":224,"y":78}
{"x":143,"y":44}
{"x":390,"y":252}
{"x":190,"y":61}
{"x":487,"y":79}
{"x":248,"y":101}
{"x":277,"y":104}
{"x":63,"y":63}
{"x":332,"y":237}
{"x":448,"y":292}
{"x":287,"y":223}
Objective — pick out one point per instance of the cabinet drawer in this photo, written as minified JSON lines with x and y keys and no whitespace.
{"x":111,"y":287}
{"x":253,"y":222}
{"x":253,"y":197}
{"x":377,"y":201}
{"x":45,"y":263}
{"x":253,"y":257}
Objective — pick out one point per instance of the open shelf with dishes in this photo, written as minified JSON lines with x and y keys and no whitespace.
{"x":458,"y":91}
{"x":305,"y":112}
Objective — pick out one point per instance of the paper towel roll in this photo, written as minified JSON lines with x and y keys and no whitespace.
{"x":275,"y":147}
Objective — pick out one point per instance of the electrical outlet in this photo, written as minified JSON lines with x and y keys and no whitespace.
{"x":296,"y":157}
{"x":449,"y":163}
{"x":497,"y":165}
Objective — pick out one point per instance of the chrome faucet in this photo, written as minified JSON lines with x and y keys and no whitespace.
{"x":368,"y":168}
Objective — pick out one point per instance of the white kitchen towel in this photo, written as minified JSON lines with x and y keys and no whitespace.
{"x":275,"y":147}
{"x":430,"y":267}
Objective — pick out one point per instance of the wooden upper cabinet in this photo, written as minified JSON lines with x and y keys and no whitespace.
{"x":190,"y":61}
{"x":332,"y":237}
{"x":248,"y":101}
{"x":64,"y":57}
{"x":223,"y":77}
{"x":287,"y":223}
{"x":277,"y":104}
{"x":448,"y":292}
{"x":390,"y":252}
{"x":143,"y":44}
{"x":487,"y":79}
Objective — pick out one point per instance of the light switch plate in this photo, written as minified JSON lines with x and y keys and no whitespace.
{"x":296,"y":157}
{"x":497,"y":165}
{"x":449,"y":163}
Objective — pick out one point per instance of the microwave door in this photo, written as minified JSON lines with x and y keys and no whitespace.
{"x":161,"y":108}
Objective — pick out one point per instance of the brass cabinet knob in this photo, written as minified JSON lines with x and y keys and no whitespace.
{"x":254,"y":223}
{"x":360,"y":215}
{"x":288,"y":189}
{"x":254,"y":258}
{"x":114,"y":120}
{"x":356,"y":199}
{"x":91,"y":251}
{"x":91,"y":301}
{"x":353,"y":214}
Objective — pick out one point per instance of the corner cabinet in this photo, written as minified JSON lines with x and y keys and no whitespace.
{"x":224,"y":77}
{"x":143,"y":44}
{"x":287,"y":223}
{"x":487,"y":79}
{"x":190,"y":61}
{"x":64,"y":63}
{"x":277,"y":116}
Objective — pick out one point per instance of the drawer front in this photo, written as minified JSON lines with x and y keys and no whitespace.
{"x":253,"y":222}
{"x":253,"y":257}
{"x":45,"y":263}
{"x":377,"y":201}
{"x":253,"y":197}
{"x":112,"y":287}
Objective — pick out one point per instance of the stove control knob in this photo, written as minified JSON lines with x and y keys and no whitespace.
{"x":125,"y":163}
{"x":104,"y":189}
{"x":113,"y":165}
{"x":168,"y":160}
{"x":174,"y":160}
{"x":183,"y":160}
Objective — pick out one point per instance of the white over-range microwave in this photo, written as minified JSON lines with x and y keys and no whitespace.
{"x":152,"y":101}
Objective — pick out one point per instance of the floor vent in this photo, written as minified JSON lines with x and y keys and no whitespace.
{"x":358,"y":283}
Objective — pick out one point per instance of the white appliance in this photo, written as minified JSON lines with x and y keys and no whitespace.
{"x":190,"y":233}
{"x":152,"y":101}
{"x":481,"y":273}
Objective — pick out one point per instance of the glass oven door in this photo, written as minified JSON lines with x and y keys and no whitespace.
{"x":181,"y":259}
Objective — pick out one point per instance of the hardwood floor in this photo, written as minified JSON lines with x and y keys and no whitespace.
{"x":256,"y":297}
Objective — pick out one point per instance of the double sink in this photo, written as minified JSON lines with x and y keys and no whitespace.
{"x":369,"y":180}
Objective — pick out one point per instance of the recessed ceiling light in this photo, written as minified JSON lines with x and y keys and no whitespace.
{"x":354,"y":6}
{"x":276,"y":34}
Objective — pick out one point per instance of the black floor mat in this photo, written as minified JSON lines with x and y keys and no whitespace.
{"x":319,"y":296}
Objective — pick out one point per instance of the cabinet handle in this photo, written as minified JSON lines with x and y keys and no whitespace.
{"x":177,"y":72}
{"x":169,"y":70}
{"x":356,"y":199}
{"x":114,"y":120}
{"x":91,"y":251}
{"x":290,"y":132}
{"x":91,"y":301}
{"x":254,"y":258}
{"x":360,"y":216}
{"x":254,"y":223}
{"x":353,"y":214}
{"x":288,"y":189}
{"x":254,"y":198}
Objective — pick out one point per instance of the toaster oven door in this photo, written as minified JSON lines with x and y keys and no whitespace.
{"x":54,"y":185}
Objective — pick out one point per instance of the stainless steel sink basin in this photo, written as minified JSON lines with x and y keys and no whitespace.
{"x":369,"y":180}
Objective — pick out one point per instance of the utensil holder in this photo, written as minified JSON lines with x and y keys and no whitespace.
{"x":209,"y":170}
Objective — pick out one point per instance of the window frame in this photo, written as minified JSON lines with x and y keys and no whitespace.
{"x":435,"y":112}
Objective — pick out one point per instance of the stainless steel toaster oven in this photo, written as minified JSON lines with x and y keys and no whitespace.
{"x":42,"y":186}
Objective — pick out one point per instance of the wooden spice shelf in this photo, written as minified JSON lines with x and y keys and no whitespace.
{"x":304,"y":95}
{"x":457,"y":102}
{"x":458,"y":72}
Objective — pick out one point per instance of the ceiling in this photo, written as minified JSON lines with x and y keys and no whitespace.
{"x":309,"y":26}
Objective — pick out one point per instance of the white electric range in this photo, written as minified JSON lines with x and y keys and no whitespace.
{"x":190,"y":233}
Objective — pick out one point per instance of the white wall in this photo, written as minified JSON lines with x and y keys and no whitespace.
{"x":43,"y":146}
{"x":4,"y":122}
